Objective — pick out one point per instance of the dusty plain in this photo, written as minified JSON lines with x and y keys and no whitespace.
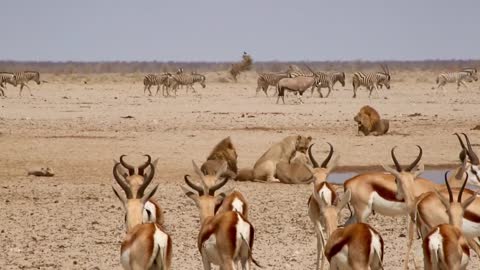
{"x":73,"y":220}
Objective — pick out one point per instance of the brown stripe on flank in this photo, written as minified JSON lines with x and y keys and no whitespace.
{"x":386,"y":193}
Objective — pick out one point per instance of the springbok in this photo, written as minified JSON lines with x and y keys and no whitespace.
{"x":357,"y":246}
{"x":390,"y":194}
{"x":145,"y":245}
{"x":226,"y":238}
{"x":445,"y":246}
{"x":321,"y":188}
{"x":152,"y":210}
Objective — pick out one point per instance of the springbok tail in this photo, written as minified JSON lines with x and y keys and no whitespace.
{"x":250,"y":255}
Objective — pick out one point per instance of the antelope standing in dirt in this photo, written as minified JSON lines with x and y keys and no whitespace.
{"x":321,"y":188}
{"x":445,"y":246}
{"x":225,"y":238}
{"x":146,"y":245}
{"x":357,"y":246}
{"x":152,"y":211}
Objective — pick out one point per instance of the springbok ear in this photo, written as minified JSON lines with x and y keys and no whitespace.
{"x":117,"y":193}
{"x":219,"y":198}
{"x":150,"y":194}
{"x":442,"y":199}
{"x":344,"y":201}
{"x":190,"y":194}
{"x":391,"y":170}
{"x":155,"y":162}
{"x":420,"y":169}
{"x":470,"y":200}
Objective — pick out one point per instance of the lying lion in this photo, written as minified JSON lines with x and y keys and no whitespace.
{"x":369,"y":122}
{"x":223,"y":152}
{"x":295,"y":171}
{"x":266,"y":166}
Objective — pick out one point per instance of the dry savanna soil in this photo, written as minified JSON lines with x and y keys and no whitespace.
{"x":76,"y":124}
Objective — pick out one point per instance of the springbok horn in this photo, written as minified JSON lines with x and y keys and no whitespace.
{"x":121,"y":182}
{"x":450,"y":195}
{"x":325,"y":162}
{"x":192,"y":185}
{"x":415,"y":162}
{"x":395,"y":161}
{"x":142,"y":167}
{"x":462,"y":189}
{"x":473,"y":157}
{"x":312,"y":159}
{"x":130,"y":168}
{"x":211,"y":191}
{"x":463,"y":153}
{"x":146,"y":181}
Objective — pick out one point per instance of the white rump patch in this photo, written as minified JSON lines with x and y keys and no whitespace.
{"x":237,"y":205}
{"x":150,"y":207}
{"x":327,"y":194}
{"x":386,"y":207}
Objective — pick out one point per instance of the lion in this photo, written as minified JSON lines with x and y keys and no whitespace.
{"x":223,"y":152}
{"x":369,"y":122}
{"x":295,"y":171}
{"x":266,"y":166}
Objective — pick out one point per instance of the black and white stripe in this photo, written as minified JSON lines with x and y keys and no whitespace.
{"x":187,"y":79}
{"x":456,"y":77}
{"x":22,"y":78}
{"x":267,"y":79}
{"x":370,"y":81}
{"x":6,"y":77}
{"x":326,"y":80}
{"x":159,"y":80}
{"x":294,"y":71}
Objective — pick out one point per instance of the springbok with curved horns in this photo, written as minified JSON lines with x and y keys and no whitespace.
{"x":225,"y":238}
{"x":390,"y":194}
{"x":152,"y":210}
{"x":472,"y":166}
{"x":357,"y":246}
{"x":146,"y":245}
{"x":321,"y":189}
{"x":445,"y":247}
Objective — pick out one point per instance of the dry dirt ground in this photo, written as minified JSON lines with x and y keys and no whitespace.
{"x":73,"y":220}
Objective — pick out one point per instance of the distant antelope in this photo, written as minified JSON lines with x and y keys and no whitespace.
{"x":296,"y":84}
{"x":225,"y":238}
{"x":371,"y":80}
{"x":445,"y":246}
{"x":146,"y":245}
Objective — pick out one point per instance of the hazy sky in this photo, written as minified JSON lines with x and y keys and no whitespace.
{"x":220,"y":30}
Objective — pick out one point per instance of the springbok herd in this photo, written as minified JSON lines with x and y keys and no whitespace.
{"x":446,"y":217}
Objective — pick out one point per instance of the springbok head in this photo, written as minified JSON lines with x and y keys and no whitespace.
{"x":321,"y":172}
{"x":472,"y":163}
{"x":405,"y":178}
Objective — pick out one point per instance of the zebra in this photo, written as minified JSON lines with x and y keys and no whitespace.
{"x":470,"y":70}
{"x":159,"y":80}
{"x":294,"y":71}
{"x":328,"y":81}
{"x":371,"y":80}
{"x":244,"y":65}
{"x":6,"y":77}
{"x":22,"y":78}
{"x":267,"y":79}
{"x":456,"y":77}
{"x":188,"y":80}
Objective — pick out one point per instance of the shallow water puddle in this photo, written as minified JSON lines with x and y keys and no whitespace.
{"x":436,"y":176}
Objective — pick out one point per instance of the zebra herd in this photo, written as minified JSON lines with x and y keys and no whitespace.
{"x":371,"y":81}
{"x":169,"y":81}
{"x":18,"y":79}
